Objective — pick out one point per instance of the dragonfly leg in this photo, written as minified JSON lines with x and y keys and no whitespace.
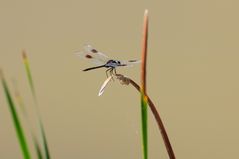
{"x":114,"y":71}
{"x":107,"y":72}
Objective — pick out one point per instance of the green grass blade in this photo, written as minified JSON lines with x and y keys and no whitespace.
{"x":16,"y":121}
{"x":45,"y":144}
{"x":19,"y":99}
{"x":144,"y":123}
{"x":31,"y":83}
{"x":37,"y":148}
{"x":28,"y":71}
{"x":25,"y":114}
{"x":144,"y":117}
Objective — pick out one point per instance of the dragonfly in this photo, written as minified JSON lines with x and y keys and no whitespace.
{"x":102,"y":61}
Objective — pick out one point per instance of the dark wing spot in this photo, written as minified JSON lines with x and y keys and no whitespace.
{"x":132,"y":60}
{"x":88,"y":56}
{"x":94,"y":51}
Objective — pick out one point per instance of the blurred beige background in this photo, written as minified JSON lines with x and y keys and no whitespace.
{"x":192,"y":76}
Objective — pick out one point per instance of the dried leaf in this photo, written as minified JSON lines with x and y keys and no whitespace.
{"x":102,"y":88}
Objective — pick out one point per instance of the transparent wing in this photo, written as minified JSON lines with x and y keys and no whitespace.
{"x":91,"y":54}
{"x":130,"y":62}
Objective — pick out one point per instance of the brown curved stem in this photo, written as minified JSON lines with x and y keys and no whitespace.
{"x":159,"y":122}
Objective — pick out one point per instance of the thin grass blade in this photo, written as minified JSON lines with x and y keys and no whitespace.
{"x":45,"y":143}
{"x":31,"y":83}
{"x":144,"y":116}
{"x":29,"y":75}
{"x":37,"y":148}
{"x":19,"y":99}
{"x":25,"y":114}
{"x":17,"y":124}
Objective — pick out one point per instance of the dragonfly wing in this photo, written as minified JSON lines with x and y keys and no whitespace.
{"x":90,"y":58}
{"x":93,"y":55}
{"x":130,"y":62}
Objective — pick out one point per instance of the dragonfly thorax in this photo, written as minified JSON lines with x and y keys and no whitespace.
{"x":113,"y":63}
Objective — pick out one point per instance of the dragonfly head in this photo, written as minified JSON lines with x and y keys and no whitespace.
{"x":113,"y":63}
